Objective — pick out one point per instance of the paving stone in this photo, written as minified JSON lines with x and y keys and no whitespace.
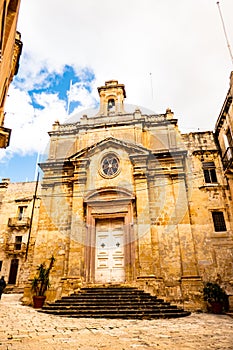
{"x":24,"y":328}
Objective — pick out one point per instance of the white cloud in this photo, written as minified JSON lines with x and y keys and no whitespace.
{"x":180,"y":42}
{"x":78,"y":92}
{"x":31,"y":113}
{"x":30,"y":126}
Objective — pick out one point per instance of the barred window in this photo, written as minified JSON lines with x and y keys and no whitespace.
{"x":209,"y":172}
{"x":219,"y":221}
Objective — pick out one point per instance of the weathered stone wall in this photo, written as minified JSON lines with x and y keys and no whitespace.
{"x":213,"y":249}
{"x":13,"y":196}
{"x":11,"y":46}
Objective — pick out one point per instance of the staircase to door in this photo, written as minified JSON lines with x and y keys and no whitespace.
{"x":113,"y":302}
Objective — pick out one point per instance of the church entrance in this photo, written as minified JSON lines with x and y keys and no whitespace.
{"x":110,"y":259}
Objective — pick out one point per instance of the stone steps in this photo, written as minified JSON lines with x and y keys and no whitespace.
{"x":11,"y":289}
{"x":110,"y":307}
{"x":113,"y":302}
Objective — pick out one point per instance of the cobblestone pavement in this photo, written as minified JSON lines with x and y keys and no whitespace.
{"x":23,"y":328}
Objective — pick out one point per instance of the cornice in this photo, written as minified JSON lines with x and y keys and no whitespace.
{"x":121,"y":120}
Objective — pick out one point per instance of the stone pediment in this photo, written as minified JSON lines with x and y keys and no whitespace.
{"x":129,"y":147}
{"x":109,"y":194}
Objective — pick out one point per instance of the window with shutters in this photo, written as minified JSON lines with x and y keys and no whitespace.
{"x":18,"y":242}
{"x":209,"y":171}
{"x":21,"y":212}
{"x":219,"y":221}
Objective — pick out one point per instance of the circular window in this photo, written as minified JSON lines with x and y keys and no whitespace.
{"x":110,"y":165}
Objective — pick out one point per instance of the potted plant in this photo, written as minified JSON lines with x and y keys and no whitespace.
{"x":40,"y":283}
{"x":216,"y":298}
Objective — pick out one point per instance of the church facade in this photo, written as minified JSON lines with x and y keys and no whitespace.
{"x":127,"y":199}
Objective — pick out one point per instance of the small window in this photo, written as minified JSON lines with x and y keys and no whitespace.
{"x":21,"y":212}
{"x":18,"y":242}
{"x":219,"y":221}
{"x":209,"y":172}
{"x":0,"y":265}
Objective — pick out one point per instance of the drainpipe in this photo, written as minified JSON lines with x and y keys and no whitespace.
{"x":31,"y":219}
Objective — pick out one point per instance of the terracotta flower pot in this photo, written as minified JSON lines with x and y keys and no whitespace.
{"x":217,"y":307}
{"x":38,"y":301}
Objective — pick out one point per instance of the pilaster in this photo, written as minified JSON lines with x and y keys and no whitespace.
{"x":78,"y":227}
{"x":145,"y":259}
{"x":184,"y":232}
{"x":191,"y":282}
{"x":155,"y":205}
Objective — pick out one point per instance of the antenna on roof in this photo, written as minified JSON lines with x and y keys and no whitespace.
{"x":151,"y":85}
{"x":37,"y":166}
{"x":152,"y":92}
{"x":68,"y":98}
{"x":225,"y":32}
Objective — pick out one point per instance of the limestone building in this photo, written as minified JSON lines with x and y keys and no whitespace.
{"x":10,"y":51}
{"x":126,"y":198}
{"x":224,"y":135}
{"x":19,"y":209}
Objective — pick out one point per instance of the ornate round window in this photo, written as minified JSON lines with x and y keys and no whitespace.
{"x":110,"y":165}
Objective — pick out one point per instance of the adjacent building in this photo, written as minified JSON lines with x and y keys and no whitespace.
{"x":224,"y":135}
{"x":19,"y":210}
{"x":10,"y":51}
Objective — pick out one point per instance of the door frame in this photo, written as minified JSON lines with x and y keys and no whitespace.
{"x":98,"y":208}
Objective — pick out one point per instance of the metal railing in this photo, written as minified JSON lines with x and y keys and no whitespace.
{"x":227,"y":158}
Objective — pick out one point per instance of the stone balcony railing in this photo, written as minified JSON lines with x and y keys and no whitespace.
{"x":16,"y":222}
{"x":4,"y":136}
{"x":14,"y":248}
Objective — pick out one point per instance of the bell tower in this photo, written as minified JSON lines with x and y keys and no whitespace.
{"x":112,"y":98}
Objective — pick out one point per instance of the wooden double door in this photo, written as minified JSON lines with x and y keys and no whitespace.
{"x":110,"y":251}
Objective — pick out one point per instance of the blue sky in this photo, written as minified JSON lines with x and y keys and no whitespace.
{"x":20,"y":169}
{"x":169,"y":54}
{"x":66,"y":88}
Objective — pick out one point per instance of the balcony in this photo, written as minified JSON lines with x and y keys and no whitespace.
{"x":4,"y":136}
{"x":19,"y":223}
{"x":15,"y":248}
{"x":227,"y":159}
